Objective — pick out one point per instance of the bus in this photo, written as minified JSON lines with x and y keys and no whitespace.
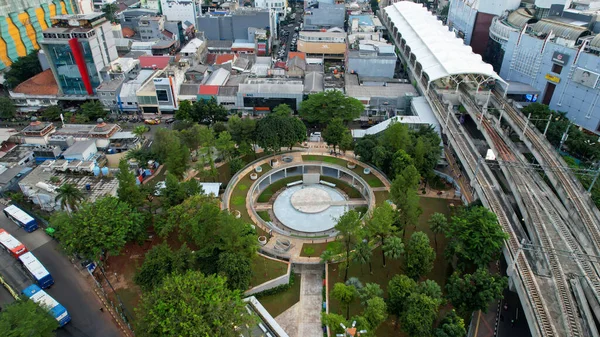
{"x":12,"y":245}
{"x":44,"y":300}
{"x":22,"y":219}
{"x":33,"y":266}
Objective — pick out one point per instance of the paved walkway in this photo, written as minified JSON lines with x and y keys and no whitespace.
{"x":304,"y":318}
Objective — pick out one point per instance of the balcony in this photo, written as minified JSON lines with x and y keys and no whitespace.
{"x":500,"y":32}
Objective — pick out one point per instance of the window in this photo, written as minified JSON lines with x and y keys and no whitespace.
{"x":162,"y":95}
{"x":556,"y":68}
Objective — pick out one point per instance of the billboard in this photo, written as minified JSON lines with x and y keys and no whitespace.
{"x":560,"y":58}
{"x":585,"y":77}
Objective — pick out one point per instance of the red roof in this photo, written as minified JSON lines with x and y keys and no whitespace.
{"x":224,"y":58}
{"x":167,"y":34}
{"x":210,"y":58}
{"x":299,"y":54}
{"x":40,"y":84}
{"x":127,"y":32}
{"x":280,"y":64}
{"x":208,"y":90}
{"x":158,"y":62}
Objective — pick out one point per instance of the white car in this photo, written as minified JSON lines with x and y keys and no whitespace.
{"x":161,"y":185}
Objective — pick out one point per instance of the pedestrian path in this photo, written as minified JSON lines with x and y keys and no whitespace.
{"x":304,"y":318}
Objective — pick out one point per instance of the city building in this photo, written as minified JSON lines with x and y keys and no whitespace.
{"x":279,"y":6}
{"x":160,"y":94}
{"x":37,"y":132}
{"x":471,"y":20}
{"x":372,"y":58}
{"x":185,"y":11}
{"x":100,"y":132}
{"x":236,"y":25}
{"x":324,"y":17}
{"x":127,"y":100}
{"x":195,"y":51}
{"x":35,"y":93}
{"x":364,"y":23}
{"x":130,"y":18}
{"x":262,"y":95}
{"x":21,"y":155}
{"x":22,"y":24}
{"x":328,"y":45}
{"x":78,"y":47}
{"x":81,"y":150}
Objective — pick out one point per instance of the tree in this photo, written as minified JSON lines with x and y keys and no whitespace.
{"x":308,"y":251}
{"x":333,"y":322}
{"x":438,"y":223}
{"x":403,"y":193}
{"x":160,"y":262}
{"x":375,"y":312}
{"x":140,"y":130}
{"x":348,"y":227}
{"x":419,"y":255}
{"x":92,"y":110}
{"x":283,"y":110}
{"x":476,"y":237}
{"x":237,"y":268}
{"x":7,"y":108}
{"x":451,"y":326}
{"x":364,"y":148}
{"x":70,"y":196}
{"x":420,"y":314}
{"x":399,"y":289}
{"x":363,"y":253}
{"x":191,"y":304}
{"x":334,"y":133}
{"x":473,"y":292}
{"x":274,"y":132}
{"x":185,"y":111}
{"x":369,"y":291}
{"x":380,"y":224}
{"x":196,"y":135}
{"x":393,"y":248}
{"x":27,"y":319}
{"x":98,"y":228}
{"x":169,"y":148}
{"x":322,"y":107}
{"x":22,"y":69}
{"x":345,"y":294}
{"x":400,"y":161}
{"x":243,"y":133}
{"x":225,"y":145}
{"x":52,"y":113}
{"x":347,"y":142}
{"x":396,"y":137}
{"x":109,"y":11}
{"x":208,"y":112}
{"x":128,"y":190}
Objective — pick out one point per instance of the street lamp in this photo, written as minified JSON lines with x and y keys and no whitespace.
{"x":352,"y":332}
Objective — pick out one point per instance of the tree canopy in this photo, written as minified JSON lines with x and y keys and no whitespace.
{"x":22,"y":69}
{"x":98,"y":228}
{"x":237,"y":269}
{"x":92,"y":110}
{"x":128,"y":191}
{"x":27,"y":319}
{"x":419,"y":255}
{"x":191,"y":304}
{"x":335,"y":132}
{"x":169,"y":149}
{"x":275,"y":131}
{"x":471,"y":292}
{"x":324,"y":106}
{"x":476,"y":237}
{"x":380,"y":225}
{"x":451,"y":326}
{"x":202,"y":111}
{"x":7,"y":108}
{"x":160,"y":262}
{"x":345,"y":294}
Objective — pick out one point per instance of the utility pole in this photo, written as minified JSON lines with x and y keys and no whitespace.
{"x":547,"y":125}
{"x":526,"y":125}
{"x":594,"y":180}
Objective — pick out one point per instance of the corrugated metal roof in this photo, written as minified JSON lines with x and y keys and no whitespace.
{"x":313,"y":82}
{"x":519,"y":18}
{"x":559,"y":29}
{"x":595,"y":41}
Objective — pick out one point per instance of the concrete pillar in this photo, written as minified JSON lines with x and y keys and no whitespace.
{"x":285,"y":172}
{"x":270,"y":179}
{"x":338,"y":174}
{"x":353,"y":180}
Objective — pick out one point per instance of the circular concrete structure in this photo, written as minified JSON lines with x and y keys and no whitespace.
{"x":311,"y":200}
{"x":308,"y":216}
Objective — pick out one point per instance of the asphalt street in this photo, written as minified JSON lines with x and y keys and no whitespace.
{"x":71,"y":288}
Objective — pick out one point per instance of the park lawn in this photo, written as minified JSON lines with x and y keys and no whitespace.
{"x":318,"y":247}
{"x":130,"y":298}
{"x":239,"y":194}
{"x":278,"y":303}
{"x":264,"y":269}
{"x":351,"y":191}
{"x":326,"y":159}
{"x":382,"y":275}
{"x":371,"y":179}
{"x":381,"y":197}
{"x":264,"y":215}
{"x":268,"y":192}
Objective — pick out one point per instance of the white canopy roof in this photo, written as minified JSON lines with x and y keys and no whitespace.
{"x":439,"y":51}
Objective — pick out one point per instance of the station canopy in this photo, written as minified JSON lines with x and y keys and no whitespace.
{"x":439,"y":52}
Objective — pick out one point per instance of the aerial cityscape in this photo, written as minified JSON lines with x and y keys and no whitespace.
{"x":280,"y":168}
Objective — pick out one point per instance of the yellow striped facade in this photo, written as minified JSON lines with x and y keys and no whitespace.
{"x":20,"y":33}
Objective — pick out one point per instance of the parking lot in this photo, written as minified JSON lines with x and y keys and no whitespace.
{"x":287,"y":34}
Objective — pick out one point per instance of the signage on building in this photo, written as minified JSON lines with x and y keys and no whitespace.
{"x":560,"y":58}
{"x":585,"y":77}
{"x":552,"y":78}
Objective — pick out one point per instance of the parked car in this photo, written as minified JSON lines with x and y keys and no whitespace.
{"x":154,"y":121}
{"x":169,"y":120}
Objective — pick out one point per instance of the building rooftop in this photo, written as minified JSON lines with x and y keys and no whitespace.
{"x":192,"y":46}
{"x":189,"y":89}
{"x":322,"y":34}
{"x":87,"y":130}
{"x":218,"y":77}
{"x":79,"y":147}
{"x":42,"y":84}
{"x":111,"y":85}
{"x":391,"y":91}
{"x":228,"y":91}
{"x":210,"y":90}
{"x":363,"y":20}
{"x":16,"y":154}
{"x":219,"y":44}
{"x":128,"y":32}
{"x":162,"y":44}
{"x":282,"y":86}
{"x":313,"y":82}
{"x":6,"y":133}
{"x":223,"y":58}
{"x":154,"y":62}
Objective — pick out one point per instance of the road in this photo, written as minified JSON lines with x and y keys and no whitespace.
{"x":290,"y":28}
{"x":72,"y":288}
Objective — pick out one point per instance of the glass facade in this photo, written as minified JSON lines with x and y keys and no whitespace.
{"x":67,"y":72}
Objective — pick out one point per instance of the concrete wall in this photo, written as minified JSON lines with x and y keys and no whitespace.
{"x":580,"y":102}
{"x":281,"y":280}
{"x":461,"y":17}
{"x":325,"y":16}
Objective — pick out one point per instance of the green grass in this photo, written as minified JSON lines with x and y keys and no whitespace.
{"x":326,"y":159}
{"x":268,"y":192}
{"x":372,"y":180}
{"x":439,"y":184}
{"x":266,"y":269}
{"x":351,"y":191}
{"x":264,"y":215}
{"x":318,"y":247}
{"x":278,"y":303}
{"x":381,"y":197}
{"x":130,"y":299}
{"x":237,"y":200}
{"x":382,"y":275}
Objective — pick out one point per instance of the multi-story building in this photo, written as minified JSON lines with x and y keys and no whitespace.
{"x":77,"y":48}
{"x":278,"y":6}
{"x":236,"y":25}
{"x":99,"y":4}
{"x":324,"y":17}
{"x":130,"y":18}
{"x":373,"y":59}
{"x":160,"y":94}
{"x":329,"y":45}
{"x":22,"y":23}
{"x":185,"y":11}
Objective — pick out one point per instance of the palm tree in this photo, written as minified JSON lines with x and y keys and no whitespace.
{"x":438,"y":223}
{"x":140,"y":130}
{"x":70,"y":196}
{"x":363,"y":253}
{"x":393,"y":247}
{"x":327,"y":256}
